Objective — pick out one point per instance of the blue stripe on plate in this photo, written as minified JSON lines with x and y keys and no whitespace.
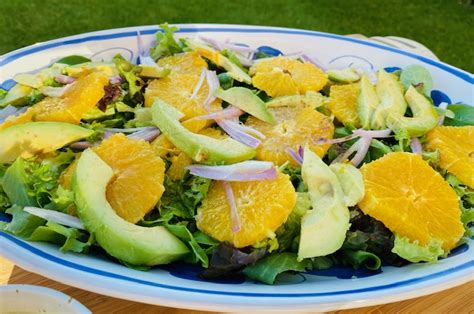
{"x":22,"y":52}
{"x":102,"y":273}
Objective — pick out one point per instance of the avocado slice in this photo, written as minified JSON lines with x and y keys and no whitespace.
{"x":16,"y":96}
{"x":232,"y":69}
{"x":424,"y":117}
{"x":310,"y":99}
{"x":343,"y":76}
{"x":153,"y":71}
{"x":243,"y":98}
{"x":31,"y":138}
{"x":200,"y":148}
{"x":390,"y":92}
{"x":351,"y":181}
{"x":367,"y":101}
{"x":123,"y":240}
{"x":323,"y":229}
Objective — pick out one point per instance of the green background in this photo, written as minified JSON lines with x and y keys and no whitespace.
{"x":446,"y":27}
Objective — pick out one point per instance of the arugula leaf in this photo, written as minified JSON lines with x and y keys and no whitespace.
{"x":70,"y":239}
{"x":182,"y":232}
{"x":166,"y":45}
{"x":268,"y":268}
{"x":463,"y":115}
{"x":415,"y":253}
{"x":362,"y":258}
{"x":73,"y":60}
{"x":295,"y":177}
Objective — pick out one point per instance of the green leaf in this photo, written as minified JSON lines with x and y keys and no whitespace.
{"x":182,"y":232}
{"x":73,"y":60}
{"x":417,"y":76}
{"x":415,"y":253}
{"x":166,"y":45}
{"x":22,"y":224}
{"x":463,"y":115}
{"x":268,"y":268}
{"x":321,"y":262}
{"x":16,"y":184}
{"x":362,"y":258}
{"x":225,"y":80}
{"x":130,"y":73}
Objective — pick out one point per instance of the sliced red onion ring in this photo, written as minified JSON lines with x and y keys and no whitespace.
{"x":234,"y":214}
{"x":237,"y":134}
{"x":250,"y":170}
{"x":147,"y":135}
{"x":117,"y":79}
{"x":213,"y":83}
{"x":81,"y":145}
{"x":415,"y":146}
{"x":129,"y":130}
{"x":57,"y":217}
{"x":214,"y":43}
{"x":246,"y":62}
{"x":342,"y":157}
{"x":335,"y":140}
{"x":55,"y":91}
{"x":296,"y":156}
{"x":301,"y":152}
{"x":314,"y":61}
{"x":444,"y":106}
{"x":227,"y":113}
{"x":64,"y":79}
{"x":199,"y":84}
{"x":372,"y":134}
{"x":363,"y":148}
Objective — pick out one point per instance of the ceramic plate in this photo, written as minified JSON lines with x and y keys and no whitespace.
{"x":178,"y":285}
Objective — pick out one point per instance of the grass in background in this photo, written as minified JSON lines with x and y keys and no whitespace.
{"x":443,"y":26}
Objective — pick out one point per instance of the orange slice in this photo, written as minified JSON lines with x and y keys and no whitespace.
{"x":456,"y":149}
{"x":343,"y":104}
{"x":412,"y":199}
{"x":294,"y":127}
{"x":281,"y":76}
{"x":262,"y":207}
{"x":79,"y":99}
{"x":186,"y":63}
{"x":139,"y":173}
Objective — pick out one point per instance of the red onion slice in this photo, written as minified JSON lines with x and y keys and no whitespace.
{"x":199,"y":84}
{"x":296,"y":156}
{"x":362,"y":150}
{"x":335,"y":140}
{"x":147,"y":134}
{"x":55,"y":91}
{"x":213,"y":83}
{"x":344,"y":156}
{"x":129,"y":130}
{"x":234,"y":214}
{"x":117,"y":79}
{"x":373,"y":134}
{"x":57,"y":217}
{"x":64,"y":79}
{"x":81,"y":145}
{"x":250,"y":170}
{"x":415,"y":146}
{"x":214,"y":43}
{"x":237,"y":134}
{"x":227,"y":113}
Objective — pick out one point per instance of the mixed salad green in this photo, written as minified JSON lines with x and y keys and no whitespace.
{"x":326,"y":227}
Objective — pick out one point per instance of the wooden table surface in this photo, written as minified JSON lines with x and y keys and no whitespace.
{"x":455,"y":300}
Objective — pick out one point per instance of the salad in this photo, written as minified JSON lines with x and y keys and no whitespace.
{"x":243,"y":161}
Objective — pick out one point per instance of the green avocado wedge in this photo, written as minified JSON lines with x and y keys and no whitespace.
{"x":200,"y":148}
{"x":323,"y":229}
{"x":131,"y":244}
{"x":16,"y":96}
{"x":28,"y":139}
{"x":390,"y":92}
{"x":367,"y":101}
{"x":243,"y":98}
{"x":424,"y":117}
{"x":343,"y":76}
{"x":310,"y":99}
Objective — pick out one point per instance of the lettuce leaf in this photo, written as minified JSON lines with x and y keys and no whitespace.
{"x":166,"y":45}
{"x":415,"y":253}
{"x":466,"y":199}
{"x":130,"y":73}
{"x":268,"y":268}
{"x":463,"y":115}
{"x":70,"y":239}
{"x":22,"y":224}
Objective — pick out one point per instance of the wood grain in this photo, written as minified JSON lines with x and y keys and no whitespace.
{"x":455,"y":300}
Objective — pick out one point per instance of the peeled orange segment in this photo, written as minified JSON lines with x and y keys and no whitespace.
{"x":187,"y":63}
{"x":177,"y":90}
{"x":262,"y":207}
{"x":79,"y":99}
{"x":411,"y":199}
{"x":282,"y":76}
{"x":138,"y":176}
{"x":65,"y":179}
{"x":456,"y":150}
{"x":26,"y":116}
{"x":177,"y":169}
{"x":343,"y":104}
{"x":294,"y":127}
